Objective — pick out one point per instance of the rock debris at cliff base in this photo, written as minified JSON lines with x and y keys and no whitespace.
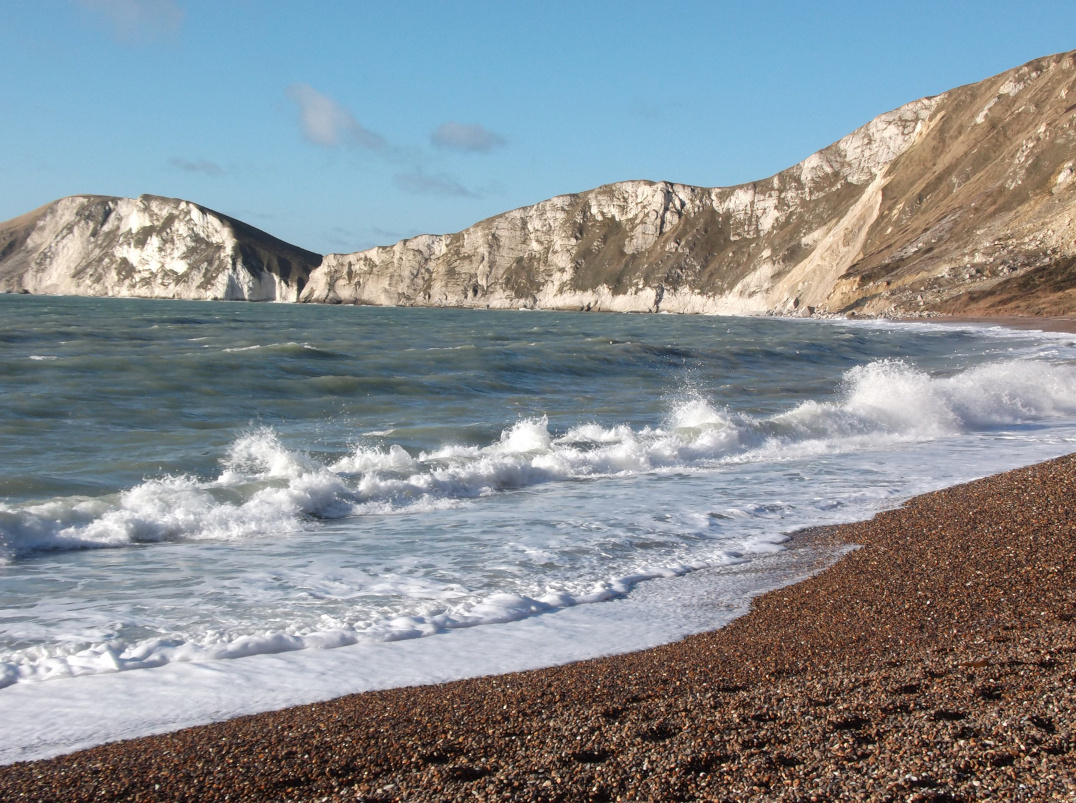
{"x":936,"y":663}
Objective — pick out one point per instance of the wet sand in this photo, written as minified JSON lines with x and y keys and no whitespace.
{"x":935,"y":663}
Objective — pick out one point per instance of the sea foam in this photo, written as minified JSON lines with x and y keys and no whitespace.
{"x":266,"y":487}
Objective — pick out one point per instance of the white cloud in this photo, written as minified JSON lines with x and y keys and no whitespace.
{"x":470,"y":138}
{"x":138,"y":20}
{"x":325,"y":122}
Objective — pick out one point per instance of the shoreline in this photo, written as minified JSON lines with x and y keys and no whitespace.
{"x":1024,"y":323}
{"x":934,"y":663}
{"x":1045,"y":323}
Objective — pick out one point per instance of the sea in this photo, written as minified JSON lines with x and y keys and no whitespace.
{"x":210,"y":509}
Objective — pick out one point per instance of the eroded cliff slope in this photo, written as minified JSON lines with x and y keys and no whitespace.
{"x":150,"y":247}
{"x":963,"y":202}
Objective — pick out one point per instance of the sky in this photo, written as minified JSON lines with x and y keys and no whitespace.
{"x":338,"y":126}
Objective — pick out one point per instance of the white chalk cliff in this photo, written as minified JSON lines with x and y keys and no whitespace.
{"x":963,"y":202}
{"x":948,"y":203}
{"x":147,"y":247}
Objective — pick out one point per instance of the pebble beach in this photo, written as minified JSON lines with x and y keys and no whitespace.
{"x":935,"y":662}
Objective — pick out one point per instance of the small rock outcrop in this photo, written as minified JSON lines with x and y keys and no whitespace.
{"x":963,"y":202}
{"x":148,"y":247}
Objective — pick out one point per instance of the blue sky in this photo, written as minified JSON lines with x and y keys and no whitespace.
{"x":342,"y":125}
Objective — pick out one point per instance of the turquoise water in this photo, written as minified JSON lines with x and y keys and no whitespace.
{"x":188,"y":481}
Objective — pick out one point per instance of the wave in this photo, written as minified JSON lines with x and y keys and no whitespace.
{"x":290,"y":349}
{"x":264,"y":487}
{"x":890,"y":398}
{"x":72,"y":657}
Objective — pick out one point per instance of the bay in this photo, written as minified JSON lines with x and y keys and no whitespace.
{"x":190,"y":484}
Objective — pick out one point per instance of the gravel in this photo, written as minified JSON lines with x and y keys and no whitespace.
{"x":935,"y":663}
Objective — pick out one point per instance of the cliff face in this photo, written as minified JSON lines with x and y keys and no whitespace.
{"x":147,"y":247}
{"x":962,"y":202}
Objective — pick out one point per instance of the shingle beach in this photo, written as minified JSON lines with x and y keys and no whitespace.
{"x":935,"y":663}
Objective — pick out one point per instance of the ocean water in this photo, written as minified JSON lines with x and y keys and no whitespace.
{"x":209,"y":509}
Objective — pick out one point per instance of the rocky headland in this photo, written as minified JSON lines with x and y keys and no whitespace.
{"x":962,"y":203}
{"x":148,"y":247}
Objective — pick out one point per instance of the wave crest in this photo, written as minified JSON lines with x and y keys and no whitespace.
{"x":266,"y":487}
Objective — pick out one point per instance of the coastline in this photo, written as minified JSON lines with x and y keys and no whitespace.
{"x":934,"y":663}
{"x":1043,"y":324}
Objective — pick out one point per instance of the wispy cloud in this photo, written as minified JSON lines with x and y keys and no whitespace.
{"x":391,"y":235}
{"x":199,"y":166}
{"x":329,"y":124}
{"x":466,"y":137}
{"x":137,"y":20}
{"x":370,"y":237}
{"x":340,"y":236}
{"x":422,"y":183}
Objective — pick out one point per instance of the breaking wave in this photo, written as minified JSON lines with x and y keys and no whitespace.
{"x":264,"y":487}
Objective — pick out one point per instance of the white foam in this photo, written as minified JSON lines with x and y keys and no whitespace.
{"x":261,"y":455}
{"x":392,"y":459}
{"x":69,"y":713}
{"x":449,"y":609}
{"x":266,"y":487}
{"x":241,"y":348}
{"x":889,"y":399}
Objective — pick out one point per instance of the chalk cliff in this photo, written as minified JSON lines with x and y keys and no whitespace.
{"x":963,"y":202}
{"x":149,"y":247}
